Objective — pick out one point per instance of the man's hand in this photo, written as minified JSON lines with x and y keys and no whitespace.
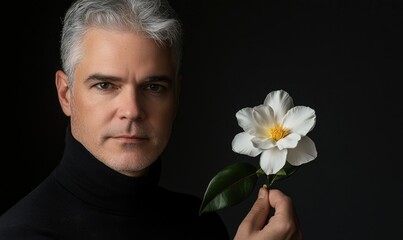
{"x":283,"y":225}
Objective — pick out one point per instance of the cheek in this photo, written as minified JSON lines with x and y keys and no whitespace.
{"x":162,"y":119}
{"x":88,"y":114}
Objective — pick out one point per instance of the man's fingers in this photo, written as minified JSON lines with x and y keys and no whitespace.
{"x":257,"y":216}
{"x":281,"y":202}
{"x":284,"y":223}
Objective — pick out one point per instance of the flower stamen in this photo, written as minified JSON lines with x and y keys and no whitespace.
{"x":277,"y":132}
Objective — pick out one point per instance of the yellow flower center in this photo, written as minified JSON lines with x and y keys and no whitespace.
{"x":277,"y":132}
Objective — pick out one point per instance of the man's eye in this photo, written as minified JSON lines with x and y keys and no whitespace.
{"x":157,"y":88}
{"x":103,"y":86}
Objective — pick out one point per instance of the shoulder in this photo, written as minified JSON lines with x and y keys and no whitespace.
{"x":186,"y":207}
{"x":32,"y":210}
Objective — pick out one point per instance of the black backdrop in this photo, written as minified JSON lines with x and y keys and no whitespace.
{"x":342,"y":58}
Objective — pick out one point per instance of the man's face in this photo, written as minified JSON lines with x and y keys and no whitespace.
{"x":122,"y":103}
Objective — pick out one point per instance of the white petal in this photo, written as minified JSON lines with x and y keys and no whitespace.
{"x":244,"y":117}
{"x":300,"y":120}
{"x":263,"y":143}
{"x":271,"y":161}
{"x":263,"y":115}
{"x":264,"y":119}
{"x":242,"y":144}
{"x":280,"y":101}
{"x":303,"y":153}
{"x":290,"y":141}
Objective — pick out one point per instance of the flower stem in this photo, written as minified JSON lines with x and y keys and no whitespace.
{"x":269,"y":181}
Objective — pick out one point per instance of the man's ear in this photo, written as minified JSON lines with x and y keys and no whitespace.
{"x":63,"y":91}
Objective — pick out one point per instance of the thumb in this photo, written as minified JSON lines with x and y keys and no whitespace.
{"x":257,"y":216}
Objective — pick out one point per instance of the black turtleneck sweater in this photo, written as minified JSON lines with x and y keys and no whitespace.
{"x":84,"y":199}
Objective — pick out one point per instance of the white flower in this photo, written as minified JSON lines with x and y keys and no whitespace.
{"x":276,"y":130}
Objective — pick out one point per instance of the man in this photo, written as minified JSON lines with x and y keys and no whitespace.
{"x":119,"y":88}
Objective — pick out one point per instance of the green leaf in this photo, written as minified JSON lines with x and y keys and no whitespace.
{"x":230,"y":186}
{"x":284,"y":173}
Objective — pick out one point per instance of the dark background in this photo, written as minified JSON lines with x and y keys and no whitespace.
{"x":341,"y":58}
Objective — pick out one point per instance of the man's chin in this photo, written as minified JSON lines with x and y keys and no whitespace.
{"x":132,"y":166}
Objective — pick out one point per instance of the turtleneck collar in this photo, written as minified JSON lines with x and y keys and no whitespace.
{"x":100,"y":186}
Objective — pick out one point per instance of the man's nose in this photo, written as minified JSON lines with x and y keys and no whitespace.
{"x":131,"y":105}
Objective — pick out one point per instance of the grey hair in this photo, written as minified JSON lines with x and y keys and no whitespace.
{"x":154,"y":18}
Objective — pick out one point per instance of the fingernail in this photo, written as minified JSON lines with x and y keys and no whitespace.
{"x":262,"y":193}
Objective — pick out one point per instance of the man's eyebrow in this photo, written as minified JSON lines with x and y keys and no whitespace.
{"x":159,"y":78}
{"x":102,"y":78}
{"x":109,"y":78}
